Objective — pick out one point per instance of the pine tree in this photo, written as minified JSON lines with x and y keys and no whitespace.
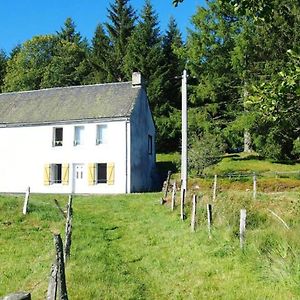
{"x":68,"y":32}
{"x":3,"y":64}
{"x":172,"y":41}
{"x":99,"y":57}
{"x":69,"y":64}
{"x":122,"y":22}
{"x":145,"y":55}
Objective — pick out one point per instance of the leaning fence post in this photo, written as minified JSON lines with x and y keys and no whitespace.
{"x":52,"y":287}
{"x":68,"y":240}
{"x":173,"y":196}
{"x":26,"y":200}
{"x":242,"y":227}
{"x":194,"y":213}
{"x":61,"y":278}
{"x":182,"y":215}
{"x":164,"y":199}
{"x":254,"y":186}
{"x":215,"y":188}
{"x":209,"y":218}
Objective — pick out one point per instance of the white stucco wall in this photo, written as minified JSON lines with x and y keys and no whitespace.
{"x":26,"y":150}
{"x":142,"y":163}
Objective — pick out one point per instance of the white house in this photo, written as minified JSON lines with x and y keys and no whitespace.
{"x":82,"y":139}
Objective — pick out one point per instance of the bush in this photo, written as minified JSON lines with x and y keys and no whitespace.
{"x":296,"y":148}
{"x":205,"y":151}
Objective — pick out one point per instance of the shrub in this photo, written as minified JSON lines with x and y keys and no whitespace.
{"x":205,"y":151}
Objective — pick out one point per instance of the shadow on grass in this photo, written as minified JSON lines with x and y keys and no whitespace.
{"x":164,"y":166}
{"x":249,"y":157}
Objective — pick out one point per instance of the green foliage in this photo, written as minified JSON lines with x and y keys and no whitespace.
{"x":68,"y":66}
{"x":100,"y":58}
{"x":68,"y":33}
{"x":145,"y":54}
{"x":3,"y":63}
{"x":205,"y":151}
{"x":26,"y":68}
{"x":48,"y":61}
{"x":277,"y":103}
{"x":296,"y":148}
{"x":121,"y":24}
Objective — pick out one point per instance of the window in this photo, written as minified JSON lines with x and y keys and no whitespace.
{"x":57,"y":136}
{"x":78,"y":135}
{"x":101,"y":136}
{"x":101,"y":173}
{"x":150,"y":143}
{"x":56,"y":173}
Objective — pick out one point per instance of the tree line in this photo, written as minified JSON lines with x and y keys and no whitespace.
{"x":242,"y":58}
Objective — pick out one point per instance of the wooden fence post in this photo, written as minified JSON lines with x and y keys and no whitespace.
{"x":194,"y":214}
{"x":164,"y":199}
{"x":52,"y":286}
{"x":18,"y":296}
{"x":68,"y":240}
{"x":61,"y":278}
{"x":182,"y":215}
{"x":173,"y":196}
{"x":242,"y":227}
{"x":215,"y":188}
{"x":209,"y":218}
{"x":26,"y":200}
{"x":254,"y":186}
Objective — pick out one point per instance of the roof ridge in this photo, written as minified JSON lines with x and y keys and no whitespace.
{"x":65,"y":87}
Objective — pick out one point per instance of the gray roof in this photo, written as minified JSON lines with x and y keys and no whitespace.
{"x":77,"y":103}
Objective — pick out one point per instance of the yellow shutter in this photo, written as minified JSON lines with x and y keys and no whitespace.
{"x":110,"y":173}
{"x":46,"y":174}
{"x":91,"y":174}
{"x":65,"y":174}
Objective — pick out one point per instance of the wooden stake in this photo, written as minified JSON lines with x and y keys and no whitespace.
{"x":182,"y":215}
{"x":68,"y":229}
{"x":26,"y":200}
{"x":209,"y":218}
{"x":242,"y":227}
{"x":173,"y":196}
{"x":52,"y":287}
{"x":18,"y":296}
{"x":61,"y":278}
{"x":194,"y":213}
{"x":254,"y":186}
{"x":215,"y":188}
{"x":164,"y":199}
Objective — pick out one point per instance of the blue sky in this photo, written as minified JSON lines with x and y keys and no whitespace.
{"x":20,"y":20}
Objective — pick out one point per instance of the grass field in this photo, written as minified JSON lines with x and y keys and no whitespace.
{"x":130,"y":247}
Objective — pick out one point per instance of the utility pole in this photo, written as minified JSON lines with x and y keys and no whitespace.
{"x":184,"y":119}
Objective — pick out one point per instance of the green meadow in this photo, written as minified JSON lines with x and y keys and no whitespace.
{"x":131,"y":247}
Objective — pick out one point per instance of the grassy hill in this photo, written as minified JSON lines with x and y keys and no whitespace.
{"x":130,"y":247}
{"x":235,"y":172}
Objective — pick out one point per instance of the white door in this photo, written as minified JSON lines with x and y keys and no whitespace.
{"x":79,"y":179}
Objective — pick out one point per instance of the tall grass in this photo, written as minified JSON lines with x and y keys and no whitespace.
{"x":131,"y":247}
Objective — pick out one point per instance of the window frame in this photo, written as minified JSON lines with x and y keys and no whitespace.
{"x":80,"y":141}
{"x":100,"y":137}
{"x":55,"y":141}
